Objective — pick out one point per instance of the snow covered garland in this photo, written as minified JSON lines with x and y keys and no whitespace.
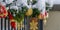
{"x":31,"y":8}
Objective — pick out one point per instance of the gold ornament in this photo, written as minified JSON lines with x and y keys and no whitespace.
{"x":20,"y":25}
{"x":33,"y":25}
{"x":29,"y":12}
{"x":44,"y":21}
{"x":41,"y":16}
{"x":3,"y":11}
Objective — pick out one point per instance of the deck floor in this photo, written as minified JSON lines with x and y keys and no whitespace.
{"x":53,"y":22}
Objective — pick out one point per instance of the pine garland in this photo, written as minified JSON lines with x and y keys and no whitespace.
{"x":36,"y":12}
{"x":33,"y":2}
{"x":7,"y":5}
{"x":20,"y":15}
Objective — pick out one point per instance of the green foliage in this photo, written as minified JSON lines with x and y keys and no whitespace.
{"x":24,"y":10}
{"x":47,"y":6}
{"x":7,"y":5}
{"x":20,"y":15}
{"x":34,"y":2}
{"x":36,"y":12}
{"x":12,"y":11}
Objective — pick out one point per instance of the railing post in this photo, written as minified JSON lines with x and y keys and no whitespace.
{"x":5,"y":22}
{"x":1,"y":24}
{"x":8,"y":24}
{"x":41,"y":24}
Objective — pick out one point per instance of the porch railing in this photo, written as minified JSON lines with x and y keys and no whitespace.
{"x":5,"y":24}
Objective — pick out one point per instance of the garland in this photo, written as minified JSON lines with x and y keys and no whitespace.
{"x":20,"y":15}
{"x":33,"y":2}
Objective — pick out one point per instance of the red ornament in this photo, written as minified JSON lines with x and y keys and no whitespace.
{"x":10,"y":16}
{"x":3,"y":11}
{"x":41,"y":16}
{"x":13,"y":23}
{"x":45,"y":13}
